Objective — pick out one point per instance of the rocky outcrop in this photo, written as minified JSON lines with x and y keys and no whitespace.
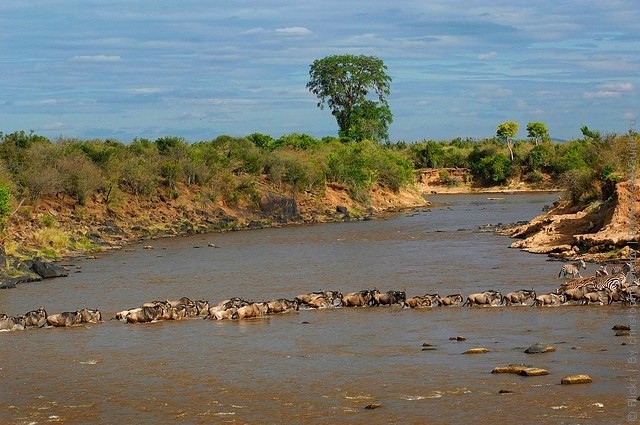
{"x":30,"y":271}
{"x":46,"y":270}
{"x":598,"y":231}
{"x":280,"y":209}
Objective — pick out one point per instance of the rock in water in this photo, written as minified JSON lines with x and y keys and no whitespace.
{"x":621,"y":328}
{"x":576,"y":379}
{"x":512,"y":368}
{"x":477,"y":350}
{"x":533,"y":371}
{"x":538,"y":348}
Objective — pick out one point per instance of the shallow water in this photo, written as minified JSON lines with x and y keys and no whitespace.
{"x":319,"y":366}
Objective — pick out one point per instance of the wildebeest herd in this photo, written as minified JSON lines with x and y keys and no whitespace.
{"x":605,"y":287}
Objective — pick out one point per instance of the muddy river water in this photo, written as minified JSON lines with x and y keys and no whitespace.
{"x":320,"y":366}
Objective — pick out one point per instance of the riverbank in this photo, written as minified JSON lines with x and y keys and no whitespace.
{"x":55,"y":228}
{"x":599,"y":231}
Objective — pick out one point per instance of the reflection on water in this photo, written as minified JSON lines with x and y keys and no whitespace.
{"x":318,"y":366}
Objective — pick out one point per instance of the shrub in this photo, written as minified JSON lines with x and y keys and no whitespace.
{"x":534,"y":177}
{"x":428,"y":154}
{"x":298,"y":141}
{"x":263,"y":141}
{"x":170,"y":145}
{"x":5,"y":207}
{"x":580,"y":185}
{"x":80,"y":177}
{"x":447,"y":179}
{"x":139,"y":177}
{"x":40,"y":175}
{"x":489,"y":166}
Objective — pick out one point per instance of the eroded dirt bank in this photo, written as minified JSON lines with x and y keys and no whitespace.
{"x":600,"y":231}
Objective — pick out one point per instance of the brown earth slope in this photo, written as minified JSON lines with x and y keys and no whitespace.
{"x":59,"y":226}
{"x":598,"y":232}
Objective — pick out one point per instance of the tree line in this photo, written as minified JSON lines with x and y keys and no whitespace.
{"x":230,"y":168}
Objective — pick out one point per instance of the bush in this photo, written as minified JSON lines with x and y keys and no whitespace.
{"x":428,"y":154}
{"x":80,"y":177}
{"x":534,"y":177}
{"x":360,"y":165}
{"x":580,"y":185}
{"x":139,"y":177}
{"x":298,"y":141}
{"x":5,"y":207}
{"x":541,"y":157}
{"x":489,"y":166}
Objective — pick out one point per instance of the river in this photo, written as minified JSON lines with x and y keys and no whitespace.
{"x":319,"y":366}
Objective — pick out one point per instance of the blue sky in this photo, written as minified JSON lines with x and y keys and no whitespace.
{"x":199,"y":69}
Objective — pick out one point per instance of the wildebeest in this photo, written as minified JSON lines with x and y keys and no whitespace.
{"x":11,"y":323}
{"x":35,"y":318}
{"x":90,"y":316}
{"x":623,"y":296}
{"x":520,"y":297}
{"x":66,"y":318}
{"x":489,"y":297}
{"x":147,"y":314}
{"x":251,"y":311}
{"x":390,"y":297}
{"x":572,"y":269}
{"x":226,"y":309}
{"x":576,"y":294}
{"x":418,"y":301}
{"x":282,"y":305}
{"x":594,"y":297}
{"x":202,"y":307}
{"x":450,"y":300}
{"x":549,"y":299}
{"x":362,"y":298}
{"x":320,"y":299}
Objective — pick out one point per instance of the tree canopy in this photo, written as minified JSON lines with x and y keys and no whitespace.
{"x":355,"y":90}
{"x":506,"y":132}
{"x":537,"y":131}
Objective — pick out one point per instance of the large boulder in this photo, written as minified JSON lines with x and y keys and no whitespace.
{"x":47,"y":270}
{"x":278,"y":208}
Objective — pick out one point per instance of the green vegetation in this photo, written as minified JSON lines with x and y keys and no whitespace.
{"x":345,"y":83}
{"x":230,"y":169}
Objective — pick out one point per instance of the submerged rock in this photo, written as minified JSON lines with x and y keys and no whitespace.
{"x":538,"y":348}
{"x":477,"y":350}
{"x":458,"y":338}
{"x":372,"y":406}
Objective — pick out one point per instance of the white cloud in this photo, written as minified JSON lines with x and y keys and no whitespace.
{"x":54,"y":126}
{"x":294,"y":31}
{"x":619,"y":86}
{"x":487,"y":56}
{"x":610,"y":90}
{"x":96,"y":58}
{"x":601,"y":94}
{"x":146,"y":90}
{"x":48,"y":102}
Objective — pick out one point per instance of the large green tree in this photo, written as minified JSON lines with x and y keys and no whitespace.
{"x":355,"y":88}
{"x":506,"y":132}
